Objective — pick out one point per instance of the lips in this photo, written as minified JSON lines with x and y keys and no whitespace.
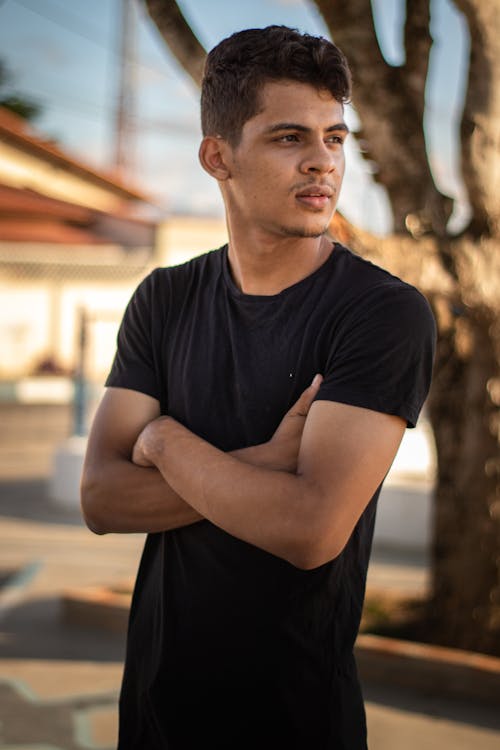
{"x":315,"y":191}
{"x":314,"y":196}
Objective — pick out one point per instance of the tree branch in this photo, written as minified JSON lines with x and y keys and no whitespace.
{"x":480,"y":127}
{"x":178,"y":36}
{"x":390,"y":102}
{"x":418,"y":43}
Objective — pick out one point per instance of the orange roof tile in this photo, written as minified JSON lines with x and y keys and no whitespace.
{"x":28,"y":216}
{"x":16,"y":201}
{"x":14,"y":129}
{"x":15,"y":230}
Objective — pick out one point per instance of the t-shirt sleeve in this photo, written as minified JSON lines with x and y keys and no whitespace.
{"x":134,"y":362}
{"x":383,"y":355}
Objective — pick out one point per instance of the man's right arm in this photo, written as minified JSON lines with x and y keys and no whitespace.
{"x":118,"y":496}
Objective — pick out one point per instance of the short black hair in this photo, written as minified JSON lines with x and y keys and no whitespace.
{"x":238,"y":67}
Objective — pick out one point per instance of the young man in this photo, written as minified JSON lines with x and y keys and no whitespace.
{"x":258,"y":501}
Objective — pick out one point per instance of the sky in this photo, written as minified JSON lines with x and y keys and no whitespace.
{"x":65,"y":55}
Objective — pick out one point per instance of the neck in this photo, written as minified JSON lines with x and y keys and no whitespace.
{"x":266,"y":266}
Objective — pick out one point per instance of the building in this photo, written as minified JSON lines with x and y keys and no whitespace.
{"x":74,"y":243}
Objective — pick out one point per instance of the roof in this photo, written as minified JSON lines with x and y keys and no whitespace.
{"x":17,"y":131}
{"x":28,"y":216}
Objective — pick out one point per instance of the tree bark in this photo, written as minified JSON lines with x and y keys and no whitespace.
{"x":465,"y":399}
{"x":178,"y":36}
{"x":465,"y":604}
{"x":480,"y":128}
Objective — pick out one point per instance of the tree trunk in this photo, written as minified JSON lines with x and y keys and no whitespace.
{"x":480,"y":127}
{"x":463,"y":407}
{"x":464,"y":605}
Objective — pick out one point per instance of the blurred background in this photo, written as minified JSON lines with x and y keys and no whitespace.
{"x":99,"y":183}
{"x":112,"y":132}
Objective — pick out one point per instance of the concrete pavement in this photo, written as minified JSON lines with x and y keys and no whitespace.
{"x":59,"y":683}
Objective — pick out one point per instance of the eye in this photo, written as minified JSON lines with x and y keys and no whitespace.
{"x":337,"y":139}
{"x":287,"y":138}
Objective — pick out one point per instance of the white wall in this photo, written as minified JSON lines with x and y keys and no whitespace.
{"x":37,"y":321}
{"x":404,"y":514}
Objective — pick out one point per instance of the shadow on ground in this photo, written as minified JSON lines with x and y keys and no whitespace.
{"x":29,"y":500}
{"x":433,"y":705}
{"x":35,"y":630}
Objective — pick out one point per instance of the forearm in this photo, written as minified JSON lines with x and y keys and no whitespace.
{"x":121,"y":497}
{"x":260,"y":505}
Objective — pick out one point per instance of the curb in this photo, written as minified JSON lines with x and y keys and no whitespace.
{"x":429,"y":669}
{"x":97,"y":607}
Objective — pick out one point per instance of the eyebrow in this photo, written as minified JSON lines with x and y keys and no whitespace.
{"x":303,"y":129}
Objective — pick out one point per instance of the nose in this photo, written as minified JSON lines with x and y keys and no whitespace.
{"x":319,"y":159}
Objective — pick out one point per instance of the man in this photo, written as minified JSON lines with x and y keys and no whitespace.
{"x":258,"y":501}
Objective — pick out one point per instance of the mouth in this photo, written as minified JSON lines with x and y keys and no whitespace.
{"x":315,"y":196}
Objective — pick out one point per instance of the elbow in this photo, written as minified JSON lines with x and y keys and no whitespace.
{"x":93,"y":526}
{"x":91,"y":505}
{"x":320,"y":533}
{"x":315,"y":545}
{"x":309,"y":557}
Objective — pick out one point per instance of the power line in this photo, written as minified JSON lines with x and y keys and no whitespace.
{"x":65,"y":25}
{"x":73,"y":29}
{"x":76,"y":18}
{"x":68,"y":21}
{"x":54,"y":97}
{"x":97,"y":111}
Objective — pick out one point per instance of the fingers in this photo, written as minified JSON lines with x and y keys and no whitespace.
{"x":302,"y":406}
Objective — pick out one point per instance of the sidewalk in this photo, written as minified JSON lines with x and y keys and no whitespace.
{"x":59,"y":683}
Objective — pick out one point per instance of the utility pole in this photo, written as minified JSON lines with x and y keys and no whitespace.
{"x":124,"y":126}
{"x":80,"y":377}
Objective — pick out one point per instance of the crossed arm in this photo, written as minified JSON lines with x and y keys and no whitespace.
{"x":119,"y":495}
{"x":298,"y":496}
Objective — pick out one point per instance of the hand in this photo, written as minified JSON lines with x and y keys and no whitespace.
{"x":285,"y":442}
{"x":148,"y":440}
{"x":280,"y":453}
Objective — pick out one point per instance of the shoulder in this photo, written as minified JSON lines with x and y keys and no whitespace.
{"x":363,"y":274}
{"x":382,"y":354}
{"x":164,"y":285}
{"x":201,"y":265}
{"x":373,"y":291}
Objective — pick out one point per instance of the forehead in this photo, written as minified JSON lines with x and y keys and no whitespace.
{"x":292,"y":101}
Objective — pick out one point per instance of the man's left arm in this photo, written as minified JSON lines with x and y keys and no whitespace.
{"x":305,"y":518}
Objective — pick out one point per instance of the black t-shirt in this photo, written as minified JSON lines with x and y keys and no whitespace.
{"x":228,"y":645}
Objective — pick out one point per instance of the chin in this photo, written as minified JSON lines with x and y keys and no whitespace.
{"x":305,"y":232}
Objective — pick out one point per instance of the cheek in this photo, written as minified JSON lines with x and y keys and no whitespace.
{"x":340,"y":166}
{"x":262,"y":181}
{"x":260,"y":185}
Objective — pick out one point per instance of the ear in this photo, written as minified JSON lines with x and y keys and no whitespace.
{"x":213,"y":155}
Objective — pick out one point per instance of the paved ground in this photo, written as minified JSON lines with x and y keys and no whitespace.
{"x":59,"y":682}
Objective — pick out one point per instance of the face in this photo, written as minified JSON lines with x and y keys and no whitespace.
{"x":284,"y":176}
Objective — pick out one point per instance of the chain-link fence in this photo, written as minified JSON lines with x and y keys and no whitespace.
{"x":43,"y":290}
